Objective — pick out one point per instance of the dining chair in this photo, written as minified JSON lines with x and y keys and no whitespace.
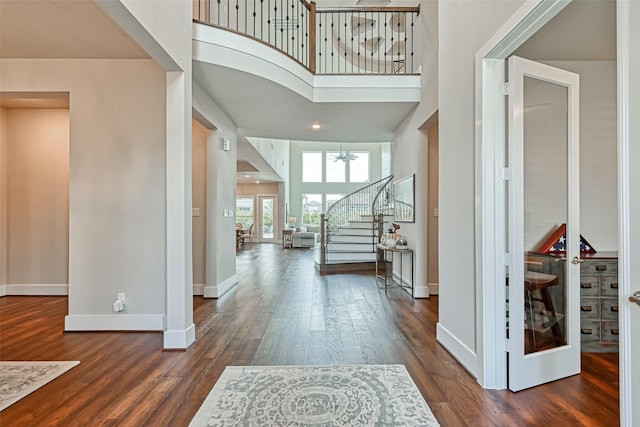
{"x":248,"y":235}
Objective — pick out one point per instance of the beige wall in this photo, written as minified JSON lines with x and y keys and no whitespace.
{"x":3,"y":198}
{"x":199,"y":183}
{"x":38,"y":196}
{"x":117,"y":182}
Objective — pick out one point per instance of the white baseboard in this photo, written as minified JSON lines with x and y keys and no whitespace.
{"x":36,"y":290}
{"x":463,"y":354}
{"x":218,"y":290}
{"x":180,"y":339}
{"x":198,"y":289}
{"x":434,"y":288}
{"x":419,"y":291}
{"x":3,"y":290}
{"x":115,"y":322}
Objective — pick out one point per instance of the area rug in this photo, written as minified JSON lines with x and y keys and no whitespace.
{"x":372,"y":395}
{"x":18,"y":379}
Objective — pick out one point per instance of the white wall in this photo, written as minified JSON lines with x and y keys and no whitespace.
{"x":3,"y":199}
{"x":117,"y":184}
{"x":598,"y":163}
{"x":37,"y":196}
{"x":163,"y":30}
{"x":464,"y":26}
{"x":221,"y":195}
{"x":410,"y":144}
{"x":297,"y":187}
{"x":199,"y":184}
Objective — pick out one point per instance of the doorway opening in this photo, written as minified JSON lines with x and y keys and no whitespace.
{"x":34,"y":193}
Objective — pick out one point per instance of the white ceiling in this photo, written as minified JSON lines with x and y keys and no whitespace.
{"x":584,"y":30}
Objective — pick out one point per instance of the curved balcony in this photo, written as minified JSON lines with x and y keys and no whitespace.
{"x":325,"y":41}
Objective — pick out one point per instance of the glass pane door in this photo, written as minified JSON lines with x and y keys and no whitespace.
{"x":267,"y":226}
{"x":544,"y":321}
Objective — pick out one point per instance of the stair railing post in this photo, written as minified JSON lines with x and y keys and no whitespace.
{"x":323,"y":239}
{"x":312,"y":37}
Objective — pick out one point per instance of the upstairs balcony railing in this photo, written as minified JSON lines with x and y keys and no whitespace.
{"x":377,"y":40}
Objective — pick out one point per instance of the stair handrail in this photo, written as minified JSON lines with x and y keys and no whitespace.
{"x":351,"y":208}
{"x":360,"y":40}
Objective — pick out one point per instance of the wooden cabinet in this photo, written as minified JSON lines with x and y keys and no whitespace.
{"x":599,"y":299}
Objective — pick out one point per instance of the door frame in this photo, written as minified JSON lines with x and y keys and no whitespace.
{"x":490,"y":159}
{"x":490,"y":209}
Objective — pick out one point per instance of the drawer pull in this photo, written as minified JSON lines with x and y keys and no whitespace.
{"x":586,"y":308}
{"x":585,"y":285}
{"x":614,"y":285}
{"x":601,"y":267}
{"x":586,"y":331}
{"x":615,"y":331}
{"x":614,"y":308}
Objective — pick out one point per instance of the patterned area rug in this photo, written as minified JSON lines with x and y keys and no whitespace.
{"x":373,"y":395}
{"x":18,"y":379}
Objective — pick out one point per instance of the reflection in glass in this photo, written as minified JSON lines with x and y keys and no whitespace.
{"x":545,"y":208}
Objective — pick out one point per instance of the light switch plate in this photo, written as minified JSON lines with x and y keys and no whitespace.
{"x":195,"y":212}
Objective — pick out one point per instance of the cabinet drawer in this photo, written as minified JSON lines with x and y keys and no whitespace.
{"x":590,"y":308}
{"x":589,"y":285}
{"x":610,"y":330}
{"x":590,"y":330}
{"x":599,"y":267}
{"x":609,"y":285}
{"x":609,"y":308}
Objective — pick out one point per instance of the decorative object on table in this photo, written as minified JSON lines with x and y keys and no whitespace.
{"x":292,"y":221}
{"x":390,"y":243}
{"x":401,"y":243}
{"x":556,"y":243}
{"x":384,"y":238}
{"x":18,"y":379}
{"x":371,"y":395}
{"x":404,"y":200}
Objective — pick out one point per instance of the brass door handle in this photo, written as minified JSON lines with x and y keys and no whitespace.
{"x":635,"y":297}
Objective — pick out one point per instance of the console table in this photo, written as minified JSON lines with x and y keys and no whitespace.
{"x":287,"y":241}
{"x":382,"y":254}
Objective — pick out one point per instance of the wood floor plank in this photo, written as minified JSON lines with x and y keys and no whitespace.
{"x":281,"y":312}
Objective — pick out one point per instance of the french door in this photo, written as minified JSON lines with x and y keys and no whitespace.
{"x":543,"y":194}
{"x":267,"y":229}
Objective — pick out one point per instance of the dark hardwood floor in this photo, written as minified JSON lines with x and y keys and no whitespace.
{"x":281,"y":313}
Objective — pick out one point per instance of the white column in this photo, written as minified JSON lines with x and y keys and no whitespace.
{"x":180,"y":330}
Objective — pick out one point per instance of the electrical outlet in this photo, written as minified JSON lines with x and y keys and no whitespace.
{"x":121,"y":296}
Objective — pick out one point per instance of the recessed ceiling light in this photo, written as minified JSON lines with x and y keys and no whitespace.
{"x":246,"y":176}
{"x":316,"y":126}
{"x":257,"y":182}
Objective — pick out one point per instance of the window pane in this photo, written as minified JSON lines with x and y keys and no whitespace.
{"x":335,"y":168}
{"x":311,"y":208}
{"x":244,"y":211}
{"x":359,"y":167}
{"x":311,"y":167}
{"x":332,"y":198}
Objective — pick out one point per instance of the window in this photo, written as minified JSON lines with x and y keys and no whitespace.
{"x":311,"y":208}
{"x":311,"y":166}
{"x":331,"y":199}
{"x":335,"y":167}
{"x":359,"y":167}
{"x":244,"y":211}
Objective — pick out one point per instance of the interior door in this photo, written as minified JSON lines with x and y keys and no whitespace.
{"x":543,"y":190}
{"x":629,"y":201}
{"x":267,"y":229}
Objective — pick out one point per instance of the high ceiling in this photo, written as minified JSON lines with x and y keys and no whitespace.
{"x":584,"y":30}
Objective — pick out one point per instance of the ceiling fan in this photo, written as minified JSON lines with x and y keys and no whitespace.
{"x":344,"y":156}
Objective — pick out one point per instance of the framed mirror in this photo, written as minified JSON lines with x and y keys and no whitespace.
{"x":404,"y":199}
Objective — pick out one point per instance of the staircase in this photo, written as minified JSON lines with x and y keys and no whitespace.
{"x":352,"y":226}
